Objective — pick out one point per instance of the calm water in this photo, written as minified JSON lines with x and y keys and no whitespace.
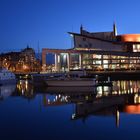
{"x":37,"y":113}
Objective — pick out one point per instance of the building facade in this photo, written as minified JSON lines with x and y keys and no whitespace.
{"x":24,"y":61}
{"x":97,"y":51}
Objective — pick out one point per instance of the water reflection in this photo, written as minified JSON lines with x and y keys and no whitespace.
{"x":123,"y":96}
{"x":25,"y":89}
{"x":120,"y":87}
{"x":126,"y":87}
{"x":6,"y":91}
{"x":103,"y":101}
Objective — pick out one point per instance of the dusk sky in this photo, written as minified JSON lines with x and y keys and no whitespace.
{"x":25,"y":22}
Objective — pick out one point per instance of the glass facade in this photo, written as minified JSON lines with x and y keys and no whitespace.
{"x":100,"y":61}
{"x":110,"y":62}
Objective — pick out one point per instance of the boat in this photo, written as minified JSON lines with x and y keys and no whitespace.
{"x":7,"y":77}
{"x":71,"y":79}
{"x":71,"y":82}
{"x":71,"y":90}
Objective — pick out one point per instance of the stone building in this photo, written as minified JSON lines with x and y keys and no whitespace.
{"x":24,"y":61}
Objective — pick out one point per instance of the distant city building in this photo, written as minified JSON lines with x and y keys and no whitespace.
{"x":97,"y":51}
{"x":24,"y":61}
{"x":9,"y":60}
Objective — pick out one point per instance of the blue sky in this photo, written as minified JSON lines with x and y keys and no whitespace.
{"x":25,"y":22}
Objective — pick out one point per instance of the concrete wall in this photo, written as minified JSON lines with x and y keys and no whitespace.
{"x":85,"y":42}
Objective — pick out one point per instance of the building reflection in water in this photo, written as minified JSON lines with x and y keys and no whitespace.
{"x":53,"y":100}
{"x":123,"y":96}
{"x":120,"y":87}
{"x":126,"y":87}
{"x":24,"y":88}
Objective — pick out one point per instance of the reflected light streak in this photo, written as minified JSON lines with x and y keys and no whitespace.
{"x":117,"y":118}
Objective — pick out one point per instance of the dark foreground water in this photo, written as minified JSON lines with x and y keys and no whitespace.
{"x":38,"y":113}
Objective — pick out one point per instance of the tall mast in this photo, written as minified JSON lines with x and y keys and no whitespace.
{"x":114,"y":29}
{"x":81,"y":29}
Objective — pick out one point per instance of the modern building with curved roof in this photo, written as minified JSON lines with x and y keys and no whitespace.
{"x":97,"y":51}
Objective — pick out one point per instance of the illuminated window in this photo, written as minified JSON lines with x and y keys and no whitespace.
{"x":98,"y":62}
{"x":105,"y":61}
{"x":105,"y":56}
{"x":98,"y":56}
{"x":105,"y":66}
{"x":136,"y":48}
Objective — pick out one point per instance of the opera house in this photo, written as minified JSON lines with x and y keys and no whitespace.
{"x":97,"y":51}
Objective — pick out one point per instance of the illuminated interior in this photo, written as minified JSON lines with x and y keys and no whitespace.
{"x":136,"y":47}
{"x":96,"y":62}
